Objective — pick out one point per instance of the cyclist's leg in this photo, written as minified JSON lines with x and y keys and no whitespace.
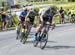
{"x":21,"y":24}
{"x":18,"y":29}
{"x":30,"y":24}
{"x":37,"y":31}
{"x":47,"y":26}
{"x":39,"y":28}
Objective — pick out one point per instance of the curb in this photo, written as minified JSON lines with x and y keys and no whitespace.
{"x":9,"y":29}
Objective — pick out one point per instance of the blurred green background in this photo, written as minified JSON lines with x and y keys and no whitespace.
{"x":66,"y":4}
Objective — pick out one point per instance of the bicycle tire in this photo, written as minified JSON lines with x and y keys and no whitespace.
{"x":38,"y":39}
{"x":22,"y":36}
{"x":26,"y":36}
{"x":45,"y":42}
{"x":24,"y":40}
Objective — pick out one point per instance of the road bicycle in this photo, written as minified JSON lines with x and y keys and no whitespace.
{"x":22,"y":32}
{"x":42,"y":36}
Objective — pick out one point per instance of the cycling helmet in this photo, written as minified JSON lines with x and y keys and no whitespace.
{"x":36,"y":9}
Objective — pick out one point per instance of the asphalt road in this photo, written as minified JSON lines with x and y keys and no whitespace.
{"x":61,"y":41}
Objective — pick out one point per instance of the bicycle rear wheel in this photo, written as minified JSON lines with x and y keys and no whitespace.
{"x":24,"y":39}
{"x":26,"y":36}
{"x":43,"y":41}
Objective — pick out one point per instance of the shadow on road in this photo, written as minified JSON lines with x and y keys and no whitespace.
{"x":29,"y":42}
{"x":59,"y":47}
{"x":52,"y":41}
{"x":48,"y":41}
{"x":53,"y":47}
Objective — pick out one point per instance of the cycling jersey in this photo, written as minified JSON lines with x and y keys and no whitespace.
{"x":31,"y":15}
{"x":48,"y":14}
{"x":22,"y":15}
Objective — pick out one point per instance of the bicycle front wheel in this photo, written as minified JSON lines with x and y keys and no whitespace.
{"x":37,"y":41}
{"x":43,"y":41}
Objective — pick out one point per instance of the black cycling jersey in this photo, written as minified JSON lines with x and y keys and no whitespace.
{"x":31,"y":15}
{"x":48,"y":15}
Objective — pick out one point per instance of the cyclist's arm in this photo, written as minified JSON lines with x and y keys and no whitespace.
{"x":41,"y":17}
{"x":55,"y":15}
{"x":53,"y":20}
{"x":26,"y":18}
{"x":19,"y":16}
